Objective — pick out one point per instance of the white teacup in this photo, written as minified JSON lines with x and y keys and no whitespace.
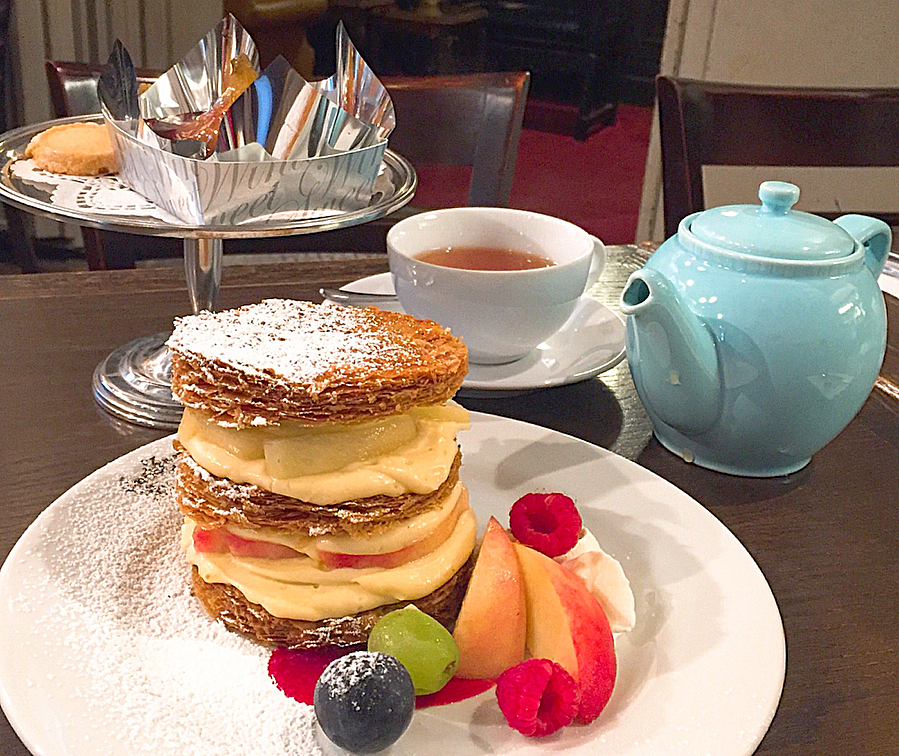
{"x":501,"y":315}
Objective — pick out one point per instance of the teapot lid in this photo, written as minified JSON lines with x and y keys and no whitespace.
{"x":773,"y":229}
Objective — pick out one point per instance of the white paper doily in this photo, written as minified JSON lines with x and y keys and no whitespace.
{"x":108,"y":195}
{"x":104,"y":195}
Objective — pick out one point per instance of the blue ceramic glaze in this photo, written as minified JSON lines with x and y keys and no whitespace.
{"x":756,"y":333}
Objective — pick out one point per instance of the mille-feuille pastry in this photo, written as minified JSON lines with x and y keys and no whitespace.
{"x":318,"y":468}
{"x":77,"y":149}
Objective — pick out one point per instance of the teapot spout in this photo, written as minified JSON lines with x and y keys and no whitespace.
{"x":672,"y":354}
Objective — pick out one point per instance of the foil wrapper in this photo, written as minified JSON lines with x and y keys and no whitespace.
{"x":284,"y":146}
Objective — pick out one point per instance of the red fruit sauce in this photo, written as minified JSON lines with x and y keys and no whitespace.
{"x":295,"y":672}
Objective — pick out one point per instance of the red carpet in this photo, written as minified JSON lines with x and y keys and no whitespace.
{"x":595,"y":184}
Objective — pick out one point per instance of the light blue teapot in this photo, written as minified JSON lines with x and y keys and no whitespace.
{"x":756,"y":333}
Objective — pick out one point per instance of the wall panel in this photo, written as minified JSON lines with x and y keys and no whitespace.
{"x":156,"y":33}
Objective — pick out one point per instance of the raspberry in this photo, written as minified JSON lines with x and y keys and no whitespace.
{"x":537,"y":697}
{"x":549,"y":522}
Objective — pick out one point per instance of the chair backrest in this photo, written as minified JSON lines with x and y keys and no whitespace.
{"x":466,"y":119}
{"x":73,"y":86}
{"x":704,"y":123}
{"x":73,"y":92}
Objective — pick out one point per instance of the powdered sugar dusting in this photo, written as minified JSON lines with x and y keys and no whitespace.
{"x":346,"y":672}
{"x":119,"y":654}
{"x":298,"y":342}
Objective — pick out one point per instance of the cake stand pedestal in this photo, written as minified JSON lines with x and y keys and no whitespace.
{"x":134,"y":382}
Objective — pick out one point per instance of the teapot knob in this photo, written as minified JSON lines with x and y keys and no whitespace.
{"x":778,"y":197}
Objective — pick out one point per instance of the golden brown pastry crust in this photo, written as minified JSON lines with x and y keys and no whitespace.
{"x":284,"y":359}
{"x":212,"y":501}
{"x":231,"y":608}
{"x":77,"y":149}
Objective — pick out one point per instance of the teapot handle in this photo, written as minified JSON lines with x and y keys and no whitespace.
{"x":875,"y":235}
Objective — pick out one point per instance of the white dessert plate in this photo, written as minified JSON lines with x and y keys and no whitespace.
{"x":104,"y":652}
{"x":591,"y":342}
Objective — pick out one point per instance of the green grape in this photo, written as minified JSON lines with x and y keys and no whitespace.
{"x":421,"y":643}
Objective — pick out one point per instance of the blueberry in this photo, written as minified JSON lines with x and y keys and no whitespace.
{"x":364,"y":701}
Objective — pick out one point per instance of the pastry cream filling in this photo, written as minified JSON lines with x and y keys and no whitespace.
{"x":407,"y":453}
{"x":300,"y":588}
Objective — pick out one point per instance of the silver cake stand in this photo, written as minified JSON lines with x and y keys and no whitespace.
{"x":134,"y":381}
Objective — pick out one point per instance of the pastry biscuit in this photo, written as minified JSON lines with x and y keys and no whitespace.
{"x":322,"y":363}
{"x":77,"y":149}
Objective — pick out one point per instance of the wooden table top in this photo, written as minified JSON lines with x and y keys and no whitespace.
{"x":826,"y":538}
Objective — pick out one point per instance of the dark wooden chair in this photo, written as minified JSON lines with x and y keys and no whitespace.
{"x":710,"y":123}
{"x":469,"y":120}
{"x":73,"y":92}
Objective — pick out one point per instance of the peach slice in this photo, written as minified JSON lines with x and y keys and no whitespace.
{"x":566,"y":624}
{"x":411,"y":552}
{"x":218,"y":540}
{"x":490,"y":630}
{"x":221,"y":541}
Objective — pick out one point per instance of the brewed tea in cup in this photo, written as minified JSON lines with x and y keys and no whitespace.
{"x":504,"y":280}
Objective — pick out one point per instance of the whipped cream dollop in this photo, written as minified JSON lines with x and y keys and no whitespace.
{"x":605,"y":578}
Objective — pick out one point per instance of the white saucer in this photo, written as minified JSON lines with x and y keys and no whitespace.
{"x":591,"y":342}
